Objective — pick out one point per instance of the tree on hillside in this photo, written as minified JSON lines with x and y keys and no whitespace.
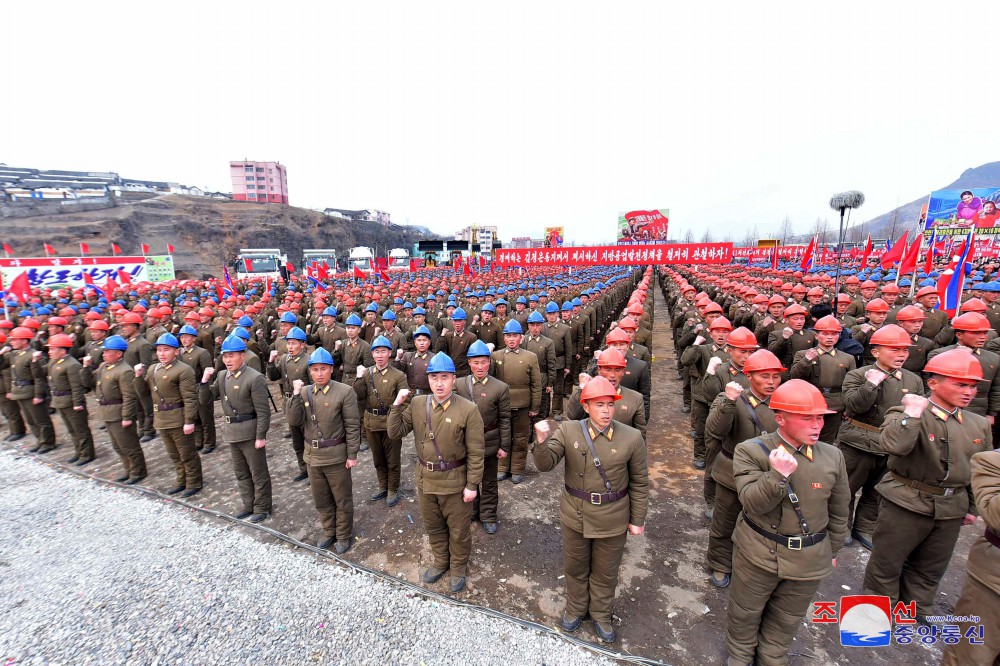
{"x":821,"y":230}
{"x":785,"y":230}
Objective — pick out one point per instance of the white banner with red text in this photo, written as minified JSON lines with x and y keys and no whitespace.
{"x":62,"y":272}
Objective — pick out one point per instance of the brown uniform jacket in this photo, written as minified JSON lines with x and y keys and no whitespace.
{"x":456,"y":346}
{"x":630,"y":410}
{"x":518,"y":369}
{"x":545,"y":350}
{"x":415,"y":367}
{"x":488,"y":333}
{"x":458,"y":431}
{"x":936,"y":450}
{"x":28,"y":377}
{"x":243,"y":393}
{"x":65,"y":385}
{"x":174,"y":392}
{"x":492,"y":397}
{"x":824,"y":494}
{"x":786,"y":349}
{"x":327,"y":413}
{"x":868,"y":404}
{"x":641,"y":352}
{"x":114,"y":386}
{"x":198,"y":358}
{"x":984,"y":557}
{"x":622,"y":452}
{"x":713,"y":385}
{"x":287,"y":369}
{"x":696,"y":358}
{"x":729,"y":423}
{"x":917,"y":359}
{"x":934,"y":321}
{"x":826,"y":373}
{"x":562,"y":343}
{"x":352,"y":356}
{"x":376,"y":391}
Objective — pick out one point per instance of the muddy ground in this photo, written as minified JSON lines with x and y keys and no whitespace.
{"x":668,"y":610}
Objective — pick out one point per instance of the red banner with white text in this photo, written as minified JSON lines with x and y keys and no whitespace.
{"x":611,"y":255}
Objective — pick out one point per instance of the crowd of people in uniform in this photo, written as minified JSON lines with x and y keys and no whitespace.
{"x":829,"y":414}
{"x":821,"y":419}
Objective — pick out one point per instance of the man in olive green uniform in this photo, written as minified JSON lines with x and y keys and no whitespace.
{"x":140,"y":352}
{"x":825,"y":367}
{"x":487,"y":329}
{"x":868,"y":393}
{"x":69,"y":397}
{"x":376,"y":388}
{"x":926,"y":496}
{"x":246,"y":418}
{"x":114,"y":387}
{"x":9,"y":408}
{"x":391,"y":332}
{"x":605,"y":463}
{"x":492,"y":397}
{"x":927,"y":299}
{"x":544,"y":348}
{"x":286,"y":368}
{"x":794,"y":492}
{"x":29,"y":388}
{"x":414,"y":363}
{"x":971,"y":330}
{"x":354,"y":353}
{"x":696,"y":359}
{"x":981,"y":593}
{"x":518,"y":369}
{"x":172,"y":388}
{"x":562,"y":342}
{"x":456,"y":343}
{"x":911,"y":319}
{"x":448,"y":437}
{"x":200,"y":360}
{"x":788,"y":341}
{"x":328,"y":411}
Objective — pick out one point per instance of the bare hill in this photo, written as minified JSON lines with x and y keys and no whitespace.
{"x":204,"y":232}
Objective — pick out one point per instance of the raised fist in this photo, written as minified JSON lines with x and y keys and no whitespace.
{"x":491,"y":346}
{"x":399,"y":353}
{"x":700,"y":340}
{"x":767,"y":321}
{"x":597,"y":354}
{"x":377,"y":331}
{"x":876,"y":377}
{"x":337,"y":344}
{"x":866,"y":327}
{"x":812,"y":354}
{"x":361,"y":371}
{"x":138,"y":369}
{"x":542,"y":431}
{"x":713,"y":365}
{"x":733,"y":390}
{"x":36,"y":356}
{"x":582,"y":379}
{"x":308,"y":327}
{"x":260,"y":333}
{"x":207,"y":375}
{"x":699,"y":328}
{"x":297,"y":385}
{"x":782,"y":462}
{"x":914,"y":405}
{"x":87,"y":361}
{"x":613,"y":326}
{"x":402,"y":396}
{"x":272,"y":356}
{"x":786,"y":332}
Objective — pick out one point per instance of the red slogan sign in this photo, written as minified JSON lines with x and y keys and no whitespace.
{"x":611,"y":255}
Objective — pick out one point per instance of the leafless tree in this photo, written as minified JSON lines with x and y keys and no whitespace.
{"x":821,"y":229}
{"x":785,"y":230}
{"x":750,"y":240}
{"x":688,"y":236}
{"x":707,"y":236}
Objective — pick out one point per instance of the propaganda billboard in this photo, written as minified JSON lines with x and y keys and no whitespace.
{"x":60,"y":272}
{"x":954,"y":212}
{"x":643,"y":226}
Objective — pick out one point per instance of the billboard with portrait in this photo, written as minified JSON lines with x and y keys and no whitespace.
{"x":643,"y":226}
{"x":954,"y":212}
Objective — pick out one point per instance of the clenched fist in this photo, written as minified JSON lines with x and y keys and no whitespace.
{"x":491,"y":346}
{"x":361,"y":371}
{"x":700,"y":340}
{"x":399,"y":353}
{"x":207,"y":375}
{"x":767,"y":321}
{"x":336,"y":345}
{"x":713,"y":365}
{"x":87,"y":360}
{"x":401,"y":396}
{"x":583,"y":379}
{"x":297,"y":385}
{"x":782,"y":462}
{"x":272,"y":356}
{"x":138,"y":369}
{"x":914,"y":405}
{"x":733,"y":390}
{"x":542,"y":431}
{"x":812,"y":354}
{"x":874,"y":376}
{"x":786,"y":332}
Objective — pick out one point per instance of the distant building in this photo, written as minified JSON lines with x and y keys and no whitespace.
{"x":259,"y":182}
{"x":366,"y":215}
{"x":520,"y":242}
{"x":469,"y":233}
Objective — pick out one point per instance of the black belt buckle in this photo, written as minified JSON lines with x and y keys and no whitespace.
{"x":595,"y":499}
{"x":948,"y":492}
{"x":795,"y":543}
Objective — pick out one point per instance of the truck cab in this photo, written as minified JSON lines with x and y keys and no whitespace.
{"x":399,"y":259}
{"x":362,"y":258}
{"x":260,"y":262}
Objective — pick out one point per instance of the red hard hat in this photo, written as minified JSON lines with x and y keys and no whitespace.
{"x":853,"y":280}
{"x":926,"y":291}
{"x":6,"y":323}
{"x":956,"y":364}
{"x":206,"y":312}
{"x":628,"y":324}
{"x":56,"y":321}
{"x":635,"y":308}
{"x":760,"y":299}
{"x":31,"y":323}
{"x":971,"y":321}
{"x":99,"y":325}
{"x":742,"y":338}
{"x":3,"y":338}
{"x":192,"y":316}
{"x":877,"y":305}
{"x":843,"y":298}
{"x":91,"y":316}
{"x":777,"y":300}
{"x":910,"y":313}
{"x":611,"y":358}
{"x":617,"y":335}
{"x":868,"y":284}
{"x":815,"y":291}
{"x":794,"y":309}
{"x":762,"y":359}
{"x":140,"y":308}
{"x":890,"y":288}
{"x":598,"y":387}
{"x":22,"y":333}
{"x":798,"y":289}
{"x":132,"y":318}
{"x":973,"y":305}
{"x":153,"y":313}
{"x":798,"y":396}
{"x":60,"y":340}
{"x":890,"y":336}
{"x":721,"y":322}
{"x":67,"y":312}
{"x":702,"y":301}
{"x":828,"y":324}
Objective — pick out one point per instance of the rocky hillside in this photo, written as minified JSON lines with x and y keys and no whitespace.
{"x":204,"y":232}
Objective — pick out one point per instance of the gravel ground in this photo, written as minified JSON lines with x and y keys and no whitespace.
{"x":95,"y":575}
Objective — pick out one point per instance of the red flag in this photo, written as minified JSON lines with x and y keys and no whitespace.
{"x":170,"y":248}
{"x":414,"y":264}
{"x":382,"y":263}
{"x":248,"y":265}
{"x":929,"y":266}
{"x":807,"y":259}
{"x":895,"y":253}
{"x":145,"y":248}
{"x":20,"y":287}
{"x":111,"y":287}
{"x":909,"y":262}
{"x":267,"y":284}
{"x":774,"y":258}
{"x":124,"y":277}
{"x":868,"y":252}
{"x":323,"y":273}
{"x":358,"y":273}
{"x":467,"y":269}
{"x":7,"y":249}
{"x":49,"y":249}
{"x":289,"y":267}
{"x":84,"y":248}
{"x":482,"y":261}
{"x":115,"y":250}
{"x":220,"y":293}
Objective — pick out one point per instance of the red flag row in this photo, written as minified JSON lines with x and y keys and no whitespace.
{"x":85,"y":249}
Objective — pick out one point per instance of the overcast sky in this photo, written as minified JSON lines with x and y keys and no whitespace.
{"x":519,"y":114}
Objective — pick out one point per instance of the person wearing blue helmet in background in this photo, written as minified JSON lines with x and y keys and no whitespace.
{"x":172,"y":388}
{"x":246,"y":418}
{"x":113,"y":383}
{"x":448,"y":438}
{"x":286,"y":322}
{"x":518,"y":368}
{"x":328,"y":412}
{"x":376,"y":387}
{"x":455,"y":342}
{"x":543,"y":348}
{"x":486,"y":328}
{"x":353,"y":354}
{"x":330,"y":336}
{"x":287,"y":368}
{"x":391,"y":332}
{"x":414,"y":363}
{"x":565,"y":351}
{"x":370,"y":327}
{"x":199,"y":360}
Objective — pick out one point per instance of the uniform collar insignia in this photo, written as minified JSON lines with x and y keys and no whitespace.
{"x":733,"y":371}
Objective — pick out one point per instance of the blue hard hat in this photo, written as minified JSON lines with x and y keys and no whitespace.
{"x":241,"y":333}
{"x":552,"y":306}
{"x":167,"y":340}
{"x":441,"y":362}
{"x":233,"y":344}
{"x":458,"y":315}
{"x":477,"y":348}
{"x":502,"y":301}
{"x":489,"y":307}
{"x":567,"y":306}
{"x":419,"y":311}
{"x":904,"y":283}
{"x":397,"y":301}
{"x":244,"y":321}
{"x":407,"y":305}
{"x":512,"y":326}
{"x":577,"y":303}
{"x":420,"y":299}
{"x":381,"y":341}
{"x":320,"y":356}
{"x":536,"y":317}
{"x":289,"y":318}
{"x":353,"y":320}
{"x":422,"y":330}
{"x":116,"y":342}
{"x":330,"y":312}
{"x":533,"y":298}
{"x":187,"y":329}
{"x":522,"y":299}
{"x":296,"y":333}
{"x":389,"y":314}
{"x":371,"y":307}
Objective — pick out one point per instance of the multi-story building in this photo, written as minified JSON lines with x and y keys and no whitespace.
{"x":259,"y":182}
{"x":471,"y":233}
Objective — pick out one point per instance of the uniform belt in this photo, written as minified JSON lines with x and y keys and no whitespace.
{"x":442,"y":466}
{"x":598,"y":498}
{"x":239,"y":418}
{"x":726,"y":452}
{"x":789,"y":542}
{"x":378,"y":412}
{"x":493,"y":426}
{"x":828,"y":391}
{"x":863,"y":425}
{"x":323,"y":443}
{"x":925,"y":487}
{"x":288,"y":396}
{"x":105,"y":403}
{"x":23,"y":382}
{"x":992,"y":536}
{"x":422,"y":391}
{"x":61,"y":394}
{"x":167,"y":406}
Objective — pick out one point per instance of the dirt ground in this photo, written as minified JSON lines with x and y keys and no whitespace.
{"x":666,"y":607}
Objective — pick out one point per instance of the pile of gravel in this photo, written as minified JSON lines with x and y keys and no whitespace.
{"x":91,"y":574}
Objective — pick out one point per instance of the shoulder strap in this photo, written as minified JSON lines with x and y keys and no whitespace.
{"x":430,"y":430}
{"x":593,"y":453}
{"x":472,"y":393}
{"x":371,"y":380}
{"x":753,"y":414}
{"x":792,"y":497}
{"x":310,"y":408}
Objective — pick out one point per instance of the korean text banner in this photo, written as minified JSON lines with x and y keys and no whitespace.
{"x":954,"y":212}
{"x":639,"y":226}
{"x":56,"y":272}
{"x":610,"y":255}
